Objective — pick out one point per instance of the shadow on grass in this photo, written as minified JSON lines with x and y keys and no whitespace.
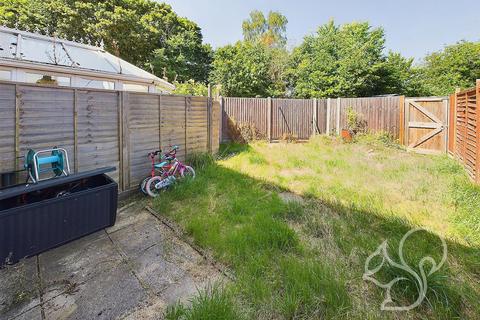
{"x":306,"y":259}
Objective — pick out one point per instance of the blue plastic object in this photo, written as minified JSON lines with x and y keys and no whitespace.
{"x":51,"y":160}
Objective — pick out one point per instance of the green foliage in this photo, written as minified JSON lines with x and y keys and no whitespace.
{"x":338,"y":61}
{"x":191,"y":88}
{"x":355,"y":123}
{"x":270,"y":30}
{"x":200,"y":161}
{"x":400,"y":76}
{"x":183,"y":57}
{"x":256,"y":66}
{"x":245,"y":70}
{"x":456,"y":66}
{"x":211,"y":304}
{"x":146,"y":33}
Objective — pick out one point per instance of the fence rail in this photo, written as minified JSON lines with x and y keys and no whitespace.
{"x":276,"y":118}
{"x":466,"y":145}
{"x":102,"y":127}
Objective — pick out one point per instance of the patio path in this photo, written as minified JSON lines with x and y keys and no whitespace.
{"x":133,"y":270}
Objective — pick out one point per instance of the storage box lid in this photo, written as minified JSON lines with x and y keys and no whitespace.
{"x":26,"y":188}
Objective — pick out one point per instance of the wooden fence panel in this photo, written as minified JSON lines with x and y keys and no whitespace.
{"x":173,"y":128}
{"x":461,"y":104}
{"x":467,"y":130}
{"x":293,"y":117}
{"x":380,"y":113}
{"x":197,"y":125}
{"x":246,"y":110}
{"x":334,"y":113}
{"x":7,"y":127}
{"x":103,"y":127}
{"x":143,"y":127}
{"x":45,"y":120}
{"x":216,"y":126}
{"x":97,"y":131}
{"x":321,"y":117}
{"x":451,"y":125}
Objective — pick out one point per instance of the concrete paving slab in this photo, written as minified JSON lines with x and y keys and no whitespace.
{"x":138,"y":236}
{"x":34,"y":313}
{"x":107,"y":295}
{"x":78,"y":261}
{"x":19,"y":290}
{"x":130,"y":271}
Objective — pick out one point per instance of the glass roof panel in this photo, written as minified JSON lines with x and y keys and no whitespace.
{"x":89,"y":59}
{"x":39,"y":50}
{"x":127,"y":68}
{"x":8,"y":45}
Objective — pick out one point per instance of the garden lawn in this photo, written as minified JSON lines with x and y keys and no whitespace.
{"x":296,"y":222}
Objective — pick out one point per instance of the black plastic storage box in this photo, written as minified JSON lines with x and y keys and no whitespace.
{"x":41,"y":216}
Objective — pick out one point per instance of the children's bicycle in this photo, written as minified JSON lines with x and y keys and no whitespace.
{"x":165,"y":173}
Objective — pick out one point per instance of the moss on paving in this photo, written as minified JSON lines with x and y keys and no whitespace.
{"x":305,"y":259}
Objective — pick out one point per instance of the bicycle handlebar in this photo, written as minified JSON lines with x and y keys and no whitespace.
{"x":172,"y":152}
{"x":154,"y":153}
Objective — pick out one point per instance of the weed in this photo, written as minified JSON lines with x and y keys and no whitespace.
{"x":243,"y":132}
{"x":200,"y":161}
{"x":210,"y":304}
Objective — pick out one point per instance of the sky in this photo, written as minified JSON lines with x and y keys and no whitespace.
{"x":412,"y":27}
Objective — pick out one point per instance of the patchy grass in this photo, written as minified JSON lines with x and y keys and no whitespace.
{"x":296,"y":223}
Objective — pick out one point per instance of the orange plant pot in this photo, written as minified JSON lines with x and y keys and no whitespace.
{"x":346,"y":135}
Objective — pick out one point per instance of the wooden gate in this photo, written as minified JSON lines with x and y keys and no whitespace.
{"x":426,"y":123}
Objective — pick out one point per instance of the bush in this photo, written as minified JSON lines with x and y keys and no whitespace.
{"x":355,"y":122}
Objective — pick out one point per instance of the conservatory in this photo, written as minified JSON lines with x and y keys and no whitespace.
{"x":34,"y":58}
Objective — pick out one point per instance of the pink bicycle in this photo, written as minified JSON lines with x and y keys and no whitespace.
{"x":169,"y":171}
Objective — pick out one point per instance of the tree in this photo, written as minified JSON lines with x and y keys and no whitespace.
{"x":343,"y":60}
{"x":270,"y":30}
{"x":243,"y":70}
{"x":133,"y":30}
{"x":400,"y":76}
{"x":183,"y":58}
{"x":456,"y":66}
{"x":255,"y":66}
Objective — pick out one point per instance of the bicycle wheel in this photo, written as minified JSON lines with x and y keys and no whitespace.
{"x":150,"y":188}
{"x":143,"y":185}
{"x":189,"y":173}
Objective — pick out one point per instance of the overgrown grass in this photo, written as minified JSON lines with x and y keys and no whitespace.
{"x":302,"y":256}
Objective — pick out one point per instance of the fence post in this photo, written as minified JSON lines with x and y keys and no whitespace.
{"x":269,"y":120}
{"x":401,"y":130}
{"x":339,"y":100}
{"x":314,"y":124}
{"x":447,"y":123}
{"x":75,"y":132}
{"x":328,"y":127}
{"x":187,"y":106}
{"x":329,"y":103}
{"x":125,"y":141}
{"x":17,"y":127}
{"x":120,"y":140}
{"x":220,"y":135}
{"x":209,"y":123}
{"x":477,"y":130}
{"x":160,"y":121}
